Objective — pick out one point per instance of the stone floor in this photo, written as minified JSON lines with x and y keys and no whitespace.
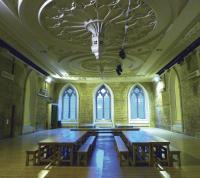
{"x":104,"y":162}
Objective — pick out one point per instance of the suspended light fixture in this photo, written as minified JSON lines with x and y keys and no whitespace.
{"x":95,"y":27}
{"x":74,"y":20}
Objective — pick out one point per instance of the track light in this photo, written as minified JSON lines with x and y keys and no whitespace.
{"x":122,"y":54}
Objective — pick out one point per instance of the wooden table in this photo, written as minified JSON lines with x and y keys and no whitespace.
{"x":94,"y":131}
{"x":124,"y":125}
{"x":60,"y":147}
{"x":146,"y":148}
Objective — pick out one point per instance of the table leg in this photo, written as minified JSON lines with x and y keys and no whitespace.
{"x":134,"y":154}
{"x":151,"y":156}
{"x":59,"y":155}
{"x":39,"y":155}
{"x":168,"y":156}
{"x":71,"y":155}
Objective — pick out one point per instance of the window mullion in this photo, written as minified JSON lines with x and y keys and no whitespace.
{"x":69,"y":108}
{"x":96,"y":107}
{"x":103,"y":108}
{"x":144,"y":107}
{"x":63,"y":107}
{"x":137,"y":106}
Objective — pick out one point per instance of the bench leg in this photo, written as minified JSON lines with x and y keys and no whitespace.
{"x":120,"y":159}
{"x":34,"y":159}
{"x":71,"y":155}
{"x":179,"y":160}
{"x":78,"y":158}
{"x":171,"y":160}
{"x":27,"y":159}
{"x":86,"y":159}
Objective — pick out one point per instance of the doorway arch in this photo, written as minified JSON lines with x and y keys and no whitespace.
{"x":175,"y":102}
{"x":30,"y":101}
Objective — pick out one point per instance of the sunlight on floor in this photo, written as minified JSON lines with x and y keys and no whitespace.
{"x":99,"y":158}
{"x":165,"y":174}
{"x":43,"y":173}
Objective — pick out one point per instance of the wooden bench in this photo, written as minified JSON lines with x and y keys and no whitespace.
{"x":122,"y":150}
{"x":86,"y":149}
{"x":92,"y":140}
{"x":175,"y":156}
{"x":32,"y":155}
{"x":48,"y":154}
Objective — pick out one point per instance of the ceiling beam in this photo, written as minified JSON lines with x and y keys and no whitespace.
{"x":181,"y":56}
{"x":21,"y":57}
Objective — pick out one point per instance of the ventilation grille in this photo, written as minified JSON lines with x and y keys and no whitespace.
{"x":193,"y":74}
{"x":7,"y":75}
{"x":43,"y":93}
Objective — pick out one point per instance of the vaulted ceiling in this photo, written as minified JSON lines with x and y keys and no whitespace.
{"x":52,"y":33}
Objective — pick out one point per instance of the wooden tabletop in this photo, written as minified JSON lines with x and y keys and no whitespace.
{"x":124,"y":125}
{"x":104,"y":129}
{"x":69,"y":138}
{"x":140,"y":137}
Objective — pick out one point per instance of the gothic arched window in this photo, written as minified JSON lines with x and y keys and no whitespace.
{"x":137,"y":103}
{"x":103,"y":104}
{"x":69,"y":104}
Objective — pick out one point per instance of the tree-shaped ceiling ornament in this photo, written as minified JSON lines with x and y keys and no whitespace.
{"x":110,"y":23}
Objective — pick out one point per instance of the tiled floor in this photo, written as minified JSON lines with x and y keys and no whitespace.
{"x":104,"y":162}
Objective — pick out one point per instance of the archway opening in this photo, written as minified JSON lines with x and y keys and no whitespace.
{"x":175,"y":100}
{"x":30,"y":104}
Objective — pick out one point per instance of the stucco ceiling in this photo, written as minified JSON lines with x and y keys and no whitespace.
{"x":52,"y":34}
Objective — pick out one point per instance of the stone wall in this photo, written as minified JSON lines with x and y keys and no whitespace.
{"x":120,"y":92}
{"x":12,"y":97}
{"x":189,"y":97}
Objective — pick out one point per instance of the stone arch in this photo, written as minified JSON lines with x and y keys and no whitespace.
{"x":30,"y":102}
{"x":175,"y":101}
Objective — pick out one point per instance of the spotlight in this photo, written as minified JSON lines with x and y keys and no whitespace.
{"x":119,"y":69}
{"x":118,"y":72}
{"x":122,"y":54}
{"x":156,"y":78}
{"x":48,"y":79}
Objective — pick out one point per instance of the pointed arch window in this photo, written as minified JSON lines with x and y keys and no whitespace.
{"x":103,"y":104}
{"x":69,"y":104}
{"x":137,"y":103}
